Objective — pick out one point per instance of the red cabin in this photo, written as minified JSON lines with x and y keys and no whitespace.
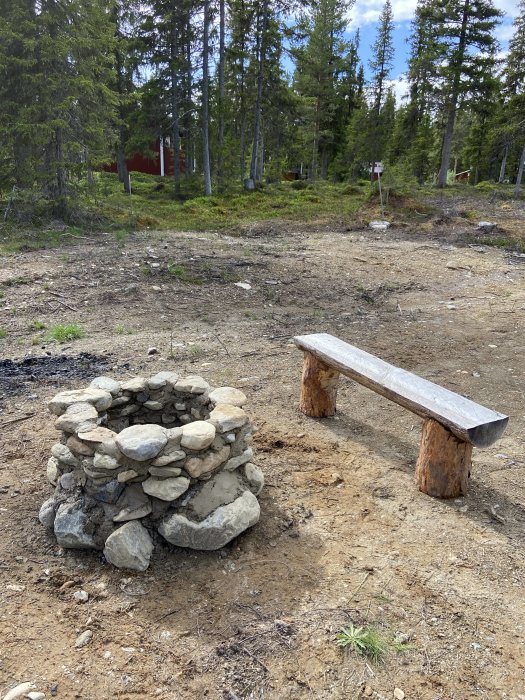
{"x":156,"y":164}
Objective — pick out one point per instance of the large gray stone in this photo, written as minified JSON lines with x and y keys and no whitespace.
{"x":73,"y":528}
{"x":142,"y":442}
{"x":225,"y":417}
{"x":107,"y":492}
{"x":78,"y":416}
{"x":98,"y":398}
{"x":254,"y":477}
{"x":215,"y":531}
{"x":97,"y":435}
{"x":47,"y":511}
{"x":129,"y":547}
{"x":228,"y":395}
{"x":221,"y":489}
{"x":208,"y":462}
{"x":137,"y":384}
{"x":191,"y":385}
{"x":166,"y":489}
{"x":236,"y":462}
{"x":104,"y":462}
{"x":160,"y":380}
{"x":197,"y":435}
{"x":107,"y":384}
{"x":64,"y":455}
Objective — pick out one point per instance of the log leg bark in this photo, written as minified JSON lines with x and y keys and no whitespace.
{"x":318,"y":388}
{"x":443,"y":465}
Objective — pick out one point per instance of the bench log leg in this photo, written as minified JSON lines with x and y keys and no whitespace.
{"x":443,"y":465}
{"x":318,"y":388}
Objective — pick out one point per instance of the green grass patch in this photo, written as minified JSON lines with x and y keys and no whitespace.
{"x":37,"y":325}
{"x":64,"y":332}
{"x":368,"y":641}
{"x":3,"y":333}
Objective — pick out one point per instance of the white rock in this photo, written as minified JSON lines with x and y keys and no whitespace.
{"x":19,"y":691}
{"x":487,"y":226}
{"x":399,"y":694}
{"x":153,"y":405}
{"x":228,"y":395}
{"x":98,"y":398}
{"x":78,"y":416}
{"x":64,"y":455}
{"x":225,"y":417}
{"x":142,"y":442}
{"x":52,"y":471}
{"x":221,"y":489}
{"x":192,"y":385}
{"x":254,"y":477}
{"x":243,"y":285}
{"x":165,"y":459}
{"x":97,"y":435}
{"x":379,"y":225}
{"x":35,"y":696}
{"x":129,"y":474}
{"x":160,"y":380}
{"x":215,"y":531}
{"x":166,"y":489}
{"x":106,"y":462}
{"x":81,"y":596}
{"x":206,"y":463}
{"x":137,"y":384}
{"x":107,"y":384}
{"x":129,"y":547}
{"x":236,"y":462}
{"x":197,"y":435}
{"x":83,"y":639}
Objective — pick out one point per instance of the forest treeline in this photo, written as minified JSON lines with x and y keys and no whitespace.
{"x":247,"y":89}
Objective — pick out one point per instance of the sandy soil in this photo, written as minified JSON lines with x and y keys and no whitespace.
{"x":344,"y":533}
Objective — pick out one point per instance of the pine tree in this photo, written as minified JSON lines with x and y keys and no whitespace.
{"x":464,"y":38}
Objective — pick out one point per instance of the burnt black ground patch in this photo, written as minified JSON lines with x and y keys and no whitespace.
{"x":19,"y":377}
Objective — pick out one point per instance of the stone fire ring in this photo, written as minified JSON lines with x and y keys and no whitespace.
{"x":166,"y":455}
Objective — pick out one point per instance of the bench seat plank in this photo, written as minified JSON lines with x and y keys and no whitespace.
{"x":468,"y":420}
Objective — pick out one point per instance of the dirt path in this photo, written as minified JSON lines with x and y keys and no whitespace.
{"x":344,"y":535}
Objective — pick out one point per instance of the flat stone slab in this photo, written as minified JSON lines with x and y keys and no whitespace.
{"x":141,"y":442}
{"x":78,"y":416}
{"x":192,"y":385}
{"x":215,"y":531}
{"x":107,"y":384}
{"x":98,"y":398}
{"x":129,"y":547}
{"x":207,"y":462}
{"x":220,"y":490}
{"x":159,"y":380}
{"x":225,"y":417}
{"x":166,"y":489}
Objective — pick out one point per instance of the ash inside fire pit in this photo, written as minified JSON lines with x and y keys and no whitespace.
{"x":166,"y":454}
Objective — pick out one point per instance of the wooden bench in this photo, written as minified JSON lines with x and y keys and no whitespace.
{"x":453,"y":423}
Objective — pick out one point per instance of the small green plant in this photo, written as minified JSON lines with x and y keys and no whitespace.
{"x":3,"y":333}
{"x":64,"y":332}
{"x":365,"y":641}
{"x":36,"y":340}
{"x":37,"y":325}
{"x":121,"y":329}
{"x":195,"y":349}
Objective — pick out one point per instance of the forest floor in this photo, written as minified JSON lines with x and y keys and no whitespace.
{"x":344,"y":534}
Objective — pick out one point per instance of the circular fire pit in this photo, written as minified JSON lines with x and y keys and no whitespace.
{"x":167,"y":454}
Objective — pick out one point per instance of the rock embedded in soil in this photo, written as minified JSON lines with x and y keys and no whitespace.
{"x":83,"y":639}
{"x":151,"y":454}
{"x":215,"y":531}
{"x":129,"y":547}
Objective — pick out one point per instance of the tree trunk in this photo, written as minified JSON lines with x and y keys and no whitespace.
{"x":188,"y":118}
{"x":260,"y":83}
{"x":503,"y":165}
{"x":220,"y":144}
{"x":443,"y":465}
{"x":205,"y":101}
{"x":175,"y":101}
{"x":122,"y":166}
{"x":454,"y":93}
{"x":520,"y":174}
{"x":318,"y":388}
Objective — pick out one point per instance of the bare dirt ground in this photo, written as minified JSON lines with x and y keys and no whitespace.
{"x":344,"y":533}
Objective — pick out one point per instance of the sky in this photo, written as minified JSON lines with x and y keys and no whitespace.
{"x":365,"y":13}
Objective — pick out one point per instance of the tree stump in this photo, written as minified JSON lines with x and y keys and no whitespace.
{"x":318,"y":388}
{"x":443,"y":465}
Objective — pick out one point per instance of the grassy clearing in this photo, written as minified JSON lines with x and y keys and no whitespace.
{"x":152,"y":205}
{"x":64,"y":332}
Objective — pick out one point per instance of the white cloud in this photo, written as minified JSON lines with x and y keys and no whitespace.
{"x":401,"y":87}
{"x":368,"y":11}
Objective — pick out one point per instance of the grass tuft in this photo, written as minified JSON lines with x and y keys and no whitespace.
{"x":365,"y":641}
{"x":3,"y":333}
{"x":63,"y":332}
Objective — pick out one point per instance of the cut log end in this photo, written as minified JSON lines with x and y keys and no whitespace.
{"x":443,"y":465}
{"x":318,"y":388}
